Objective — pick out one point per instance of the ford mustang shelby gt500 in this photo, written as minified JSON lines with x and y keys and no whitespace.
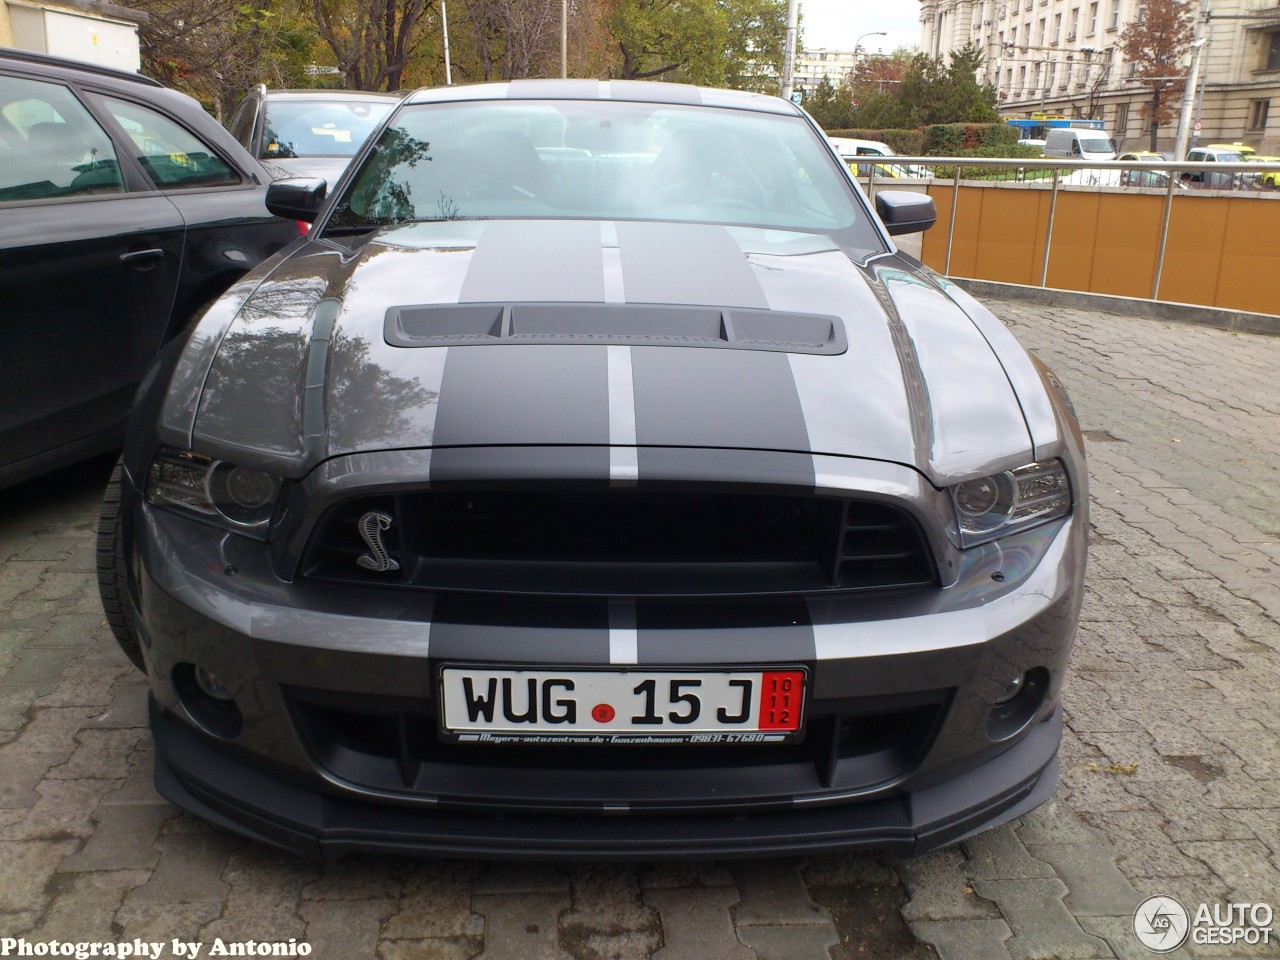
{"x":597,"y":480}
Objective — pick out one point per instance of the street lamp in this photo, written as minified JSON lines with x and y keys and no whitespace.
{"x":858,"y":45}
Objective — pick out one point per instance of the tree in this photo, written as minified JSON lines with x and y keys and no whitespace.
{"x":216,"y":49}
{"x":372,"y":40}
{"x":829,"y":105}
{"x":1155,"y":44}
{"x":932,"y":91}
{"x":713,"y":42}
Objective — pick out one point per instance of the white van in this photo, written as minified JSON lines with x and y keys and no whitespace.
{"x":1073,"y":143}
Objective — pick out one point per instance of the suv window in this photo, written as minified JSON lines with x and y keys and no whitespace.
{"x":52,"y":147}
{"x":171,"y":155}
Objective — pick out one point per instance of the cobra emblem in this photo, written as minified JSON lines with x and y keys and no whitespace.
{"x":371,"y":527}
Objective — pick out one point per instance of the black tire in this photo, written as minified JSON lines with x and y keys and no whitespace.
{"x":113,"y":586}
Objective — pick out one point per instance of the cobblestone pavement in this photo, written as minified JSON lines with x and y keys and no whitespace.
{"x":1171,"y":759}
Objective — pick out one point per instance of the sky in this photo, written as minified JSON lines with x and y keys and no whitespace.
{"x":837,"y":24}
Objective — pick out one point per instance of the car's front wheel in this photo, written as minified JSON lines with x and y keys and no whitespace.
{"x":112,"y":583}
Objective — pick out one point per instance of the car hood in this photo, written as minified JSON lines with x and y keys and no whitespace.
{"x":304,"y":369}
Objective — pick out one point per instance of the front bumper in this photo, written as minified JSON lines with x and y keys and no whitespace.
{"x":903,"y":684}
{"x":248,"y":800}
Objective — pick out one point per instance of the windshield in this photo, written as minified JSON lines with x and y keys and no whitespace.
{"x":604,"y":160}
{"x":1097,"y":145}
{"x":320,"y":128}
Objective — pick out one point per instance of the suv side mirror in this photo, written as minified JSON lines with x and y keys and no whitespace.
{"x":297,"y":199}
{"x":905,"y":212}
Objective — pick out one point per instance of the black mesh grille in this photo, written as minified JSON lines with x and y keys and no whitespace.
{"x":625,"y":543}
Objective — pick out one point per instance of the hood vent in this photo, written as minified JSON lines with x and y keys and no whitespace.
{"x":631,"y":324}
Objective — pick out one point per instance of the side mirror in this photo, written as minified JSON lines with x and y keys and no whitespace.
{"x":905,"y":212}
{"x":297,"y":199}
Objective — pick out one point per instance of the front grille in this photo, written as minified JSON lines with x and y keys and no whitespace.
{"x":392,"y":744}
{"x":624,"y":542}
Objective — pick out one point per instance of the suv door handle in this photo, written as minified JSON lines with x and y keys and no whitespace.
{"x":139,"y":256}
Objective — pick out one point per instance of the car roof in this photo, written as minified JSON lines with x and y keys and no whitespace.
{"x":636,"y":91}
{"x":316,"y":93}
{"x":79,"y":66}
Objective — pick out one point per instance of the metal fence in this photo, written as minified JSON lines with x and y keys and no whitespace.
{"x":1160,"y":177}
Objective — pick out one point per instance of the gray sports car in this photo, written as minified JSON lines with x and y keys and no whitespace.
{"x":597,"y":480}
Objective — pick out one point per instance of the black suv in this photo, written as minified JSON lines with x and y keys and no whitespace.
{"x":124,"y":208}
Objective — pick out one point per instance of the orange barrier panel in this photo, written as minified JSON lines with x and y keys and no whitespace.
{"x":1223,"y":250}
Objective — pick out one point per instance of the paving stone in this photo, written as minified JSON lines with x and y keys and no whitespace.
{"x":861,"y":869}
{"x":345,"y":932}
{"x":124,"y":838}
{"x":190,"y":870}
{"x":521,"y":926}
{"x":360,"y":877}
{"x":69,"y":631}
{"x":1097,"y":887}
{"x":1042,"y":927}
{"x":51,"y":731}
{"x":436,"y":904}
{"x":608,"y":918}
{"x":165,"y":922}
{"x":432,"y":948}
{"x":26,"y":869}
{"x":1241,"y":864}
{"x":685,"y":873}
{"x":22,"y":771}
{"x":965,"y":939}
{"x":127,"y":707}
{"x":64,"y":809}
{"x":772,"y":893}
{"x":999,"y":855}
{"x":790,"y":942}
{"x":99,"y":755}
{"x":940,"y":890}
{"x":81,"y":906}
{"x":522,"y":878}
{"x":1055,"y":822}
{"x":696,"y":924}
{"x":139,"y":787}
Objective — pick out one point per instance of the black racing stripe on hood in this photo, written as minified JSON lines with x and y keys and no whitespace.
{"x":536,"y":260}
{"x":475,"y":629}
{"x":755,"y":631}
{"x":686,"y":263}
{"x":527,"y":395}
{"x":711,"y":398}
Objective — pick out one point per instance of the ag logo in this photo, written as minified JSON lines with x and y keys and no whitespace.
{"x":1161,"y":924}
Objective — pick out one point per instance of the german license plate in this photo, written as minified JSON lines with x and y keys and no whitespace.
{"x":614,"y":706}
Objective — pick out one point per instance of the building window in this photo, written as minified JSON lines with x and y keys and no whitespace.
{"x":1013,"y":37}
{"x":1057,"y":27}
{"x":1115,"y":15}
{"x":1122,"y":119}
{"x":1093,"y":19}
{"x":1071,"y":24}
{"x":1258,"y":110}
{"x":1040,"y":32}
{"x":1273,"y":52}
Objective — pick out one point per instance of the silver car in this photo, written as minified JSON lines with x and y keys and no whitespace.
{"x":596,"y":480}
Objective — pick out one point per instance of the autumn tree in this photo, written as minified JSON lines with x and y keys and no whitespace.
{"x":216,"y":50}
{"x":829,"y":105}
{"x":1156,"y":44}
{"x":934,"y":91}
{"x":372,"y":40}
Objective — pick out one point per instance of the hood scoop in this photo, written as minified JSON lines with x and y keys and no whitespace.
{"x":628,"y":324}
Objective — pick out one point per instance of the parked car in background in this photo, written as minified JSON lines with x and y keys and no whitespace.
{"x":598,"y":480}
{"x":1270,"y":179}
{"x":1213,"y":180}
{"x":852,"y":150}
{"x":1143,"y":156}
{"x":124,"y":208}
{"x":1074,"y":143}
{"x":308,"y":133}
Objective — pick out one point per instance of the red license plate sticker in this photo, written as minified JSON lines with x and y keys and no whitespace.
{"x":781,"y":699}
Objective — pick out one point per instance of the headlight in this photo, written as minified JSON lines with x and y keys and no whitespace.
{"x":990,"y":507}
{"x":241,"y":497}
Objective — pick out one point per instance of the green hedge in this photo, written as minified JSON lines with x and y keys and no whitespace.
{"x":909,"y":143}
{"x":1014,"y":150}
{"x":956,"y":139}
